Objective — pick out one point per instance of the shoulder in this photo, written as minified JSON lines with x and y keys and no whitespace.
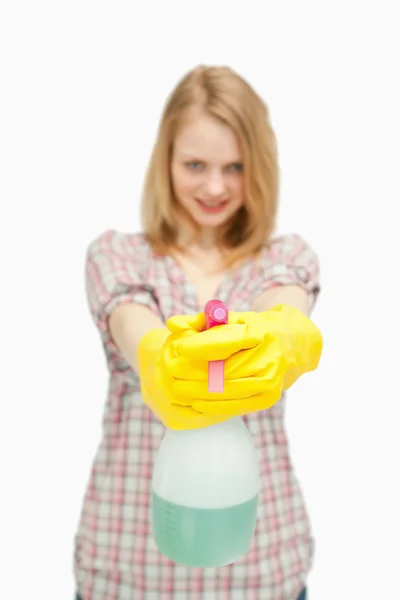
{"x":290,"y":260}
{"x":290,"y":248}
{"x":119,"y":243}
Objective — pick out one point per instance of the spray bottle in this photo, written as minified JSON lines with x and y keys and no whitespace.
{"x":206,"y":484}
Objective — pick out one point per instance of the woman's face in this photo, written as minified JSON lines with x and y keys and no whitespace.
{"x":207,"y":171}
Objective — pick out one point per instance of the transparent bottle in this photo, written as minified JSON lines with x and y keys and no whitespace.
{"x":205,"y":493}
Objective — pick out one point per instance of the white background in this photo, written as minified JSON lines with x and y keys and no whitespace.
{"x":82,"y":88}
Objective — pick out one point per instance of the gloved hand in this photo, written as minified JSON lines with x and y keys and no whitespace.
{"x":155,"y":352}
{"x":264,"y":353}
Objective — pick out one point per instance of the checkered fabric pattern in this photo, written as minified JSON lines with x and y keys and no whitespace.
{"x":115,"y":555}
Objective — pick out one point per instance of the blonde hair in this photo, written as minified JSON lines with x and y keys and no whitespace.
{"x":222,"y":93}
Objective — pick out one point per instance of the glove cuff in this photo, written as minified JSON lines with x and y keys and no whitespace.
{"x":303,"y":337}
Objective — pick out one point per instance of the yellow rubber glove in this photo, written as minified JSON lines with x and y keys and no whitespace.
{"x":264,"y":353}
{"x":155,"y":351}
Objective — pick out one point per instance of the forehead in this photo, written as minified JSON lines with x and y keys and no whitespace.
{"x":207,"y":138}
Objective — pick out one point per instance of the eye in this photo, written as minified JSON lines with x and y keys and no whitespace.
{"x":236,"y":167}
{"x":194,"y":165}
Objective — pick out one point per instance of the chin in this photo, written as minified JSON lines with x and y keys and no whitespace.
{"x":211,"y":222}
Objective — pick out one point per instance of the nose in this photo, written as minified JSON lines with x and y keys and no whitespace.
{"x":215,"y":184}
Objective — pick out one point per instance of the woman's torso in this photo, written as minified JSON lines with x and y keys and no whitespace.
{"x":116,"y":557}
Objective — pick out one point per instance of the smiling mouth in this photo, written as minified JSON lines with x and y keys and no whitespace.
{"x":212,"y":206}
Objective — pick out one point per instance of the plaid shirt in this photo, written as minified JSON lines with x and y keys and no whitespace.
{"x":116,"y":557}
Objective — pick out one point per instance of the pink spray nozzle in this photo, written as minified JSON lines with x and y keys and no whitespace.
{"x":216,"y":313}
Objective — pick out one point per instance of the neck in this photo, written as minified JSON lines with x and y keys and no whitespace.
{"x":206,"y":240}
{"x":203,"y":240}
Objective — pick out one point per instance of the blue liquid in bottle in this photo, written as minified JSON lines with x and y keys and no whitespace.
{"x":203,"y":537}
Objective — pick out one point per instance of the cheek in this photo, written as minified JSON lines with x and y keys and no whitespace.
{"x":238,"y":189}
{"x":183,"y":181}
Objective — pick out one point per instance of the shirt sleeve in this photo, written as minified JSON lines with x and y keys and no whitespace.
{"x":289,"y":260}
{"x":115,"y":264}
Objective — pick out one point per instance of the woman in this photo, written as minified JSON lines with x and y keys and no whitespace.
{"x":209,"y":210}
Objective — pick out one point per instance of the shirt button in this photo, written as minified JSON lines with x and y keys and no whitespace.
{"x":302,"y":274}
